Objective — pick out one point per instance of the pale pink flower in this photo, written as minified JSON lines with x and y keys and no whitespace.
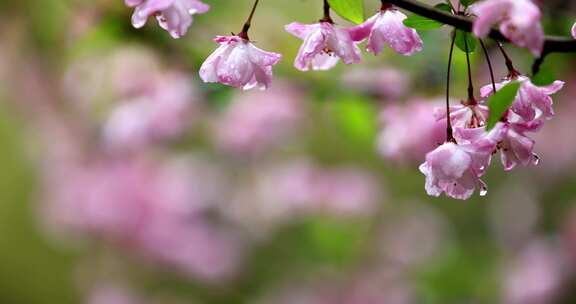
{"x":574,"y":31}
{"x":532,"y":102}
{"x":387,"y":27}
{"x":519,"y":21}
{"x":259,"y":120}
{"x":175,"y":16}
{"x":464,"y":116}
{"x":324,"y":44}
{"x":456,"y":168}
{"x":410,"y":131}
{"x":162,"y":113}
{"x":517,"y":148}
{"x":385,"y":83}
{"x":239,"y":63}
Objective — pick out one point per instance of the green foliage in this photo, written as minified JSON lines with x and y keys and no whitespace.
{"x":422,"y":23}
{"x":352,"y":10}
{"x":467,"y":2}
{"x":462,"y":38}
{"x":500,"y":102}
{"x":544,"y":77}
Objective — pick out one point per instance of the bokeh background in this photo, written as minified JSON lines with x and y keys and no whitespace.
{"x":125,"y":180}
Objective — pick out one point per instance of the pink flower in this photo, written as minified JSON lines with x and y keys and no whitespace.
{"x":517,"y":148}
{"x":258,"y":121}
{"x":238,"y":63}
{"x":162,"y":113}
{"x":456,"y":168}
{"x":387,"y":27}
{"x":519,"y":21}
{"x":464,"y":116}
{"x":574,"y":31}
{"x":324,"y":44}
{"x":175,"y":16}
{"x":410,"y":131}
{"x":532,"y":102}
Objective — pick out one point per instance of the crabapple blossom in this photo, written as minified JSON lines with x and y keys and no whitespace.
{"x":162,"y":113}
{"x":410,"y":131}
{"x":387,"y":27}
{"x":239,"y":63}
{"x":259,"y":120}
{"x":519,"y":21}
{"x":324,"y":44}
{"x":175,"y":16}
{"x":456,"y":168}
{"x":517,"y":148}
{"x":532,"y":102}
{"x":464,"y":115}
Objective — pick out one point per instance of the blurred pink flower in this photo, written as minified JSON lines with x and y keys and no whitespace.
{"x":238,"y":63}
{"x":385,"y":83}
{"x":162,"y":113}
{"x":535,"y":275}
{"x":410,"y":131}
{"x":519,"y":21}
{"x":257,"y":121}
{"x":387,"y":27}
{"x":532,"y":102}
{"x":574,"y":31}
{"x":324,"y":44}
{"x":175,"y":16}
{"x":112,"y":294}
{"x":151,"y":209}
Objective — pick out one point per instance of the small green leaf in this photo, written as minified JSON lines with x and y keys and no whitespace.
{"x":351,"y":10}
{"x":543,"y":78}
{"x":467,"y":2}
{"x":463,"y":38}
{"x":500,"y":102}
{"x":422,"y":23}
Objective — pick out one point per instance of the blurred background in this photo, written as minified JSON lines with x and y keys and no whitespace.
{"x":126,"y":180}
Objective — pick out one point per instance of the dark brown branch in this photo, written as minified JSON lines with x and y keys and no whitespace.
{"x":553,"y":44}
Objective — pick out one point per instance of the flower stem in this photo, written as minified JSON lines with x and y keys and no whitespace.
{"x":244,"y":33}
{"x":512,"y":72}
{"x":449,"y":135}
{"x":489,"y":65}
{"x":385,"y":5}
{"x":327,"y":17}
{"x":471,"y":99}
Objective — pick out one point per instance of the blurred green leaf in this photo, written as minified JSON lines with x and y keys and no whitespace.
{"x":352,"y":10}
{"x":462,"y":38}
{"x":357,"y":119}
{"x":467,"y":2}
{"x":500,"y":102}
{"x":544,"y":77}
{"x":422,"y":23}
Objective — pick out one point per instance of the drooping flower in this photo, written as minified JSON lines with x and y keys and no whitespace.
{"x":239,"y":63}
{"x":324,"y":44}
{"x":175,"y":16}
{"x":464,"y":115}
{"x":517,"y":148}
{"x":456,"y":168}
{"x":532,"y":102}
{"x":519,"y":21}
{"x":387,"y":27}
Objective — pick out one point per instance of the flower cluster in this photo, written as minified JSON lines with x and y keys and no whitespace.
{"x":456,"y":167}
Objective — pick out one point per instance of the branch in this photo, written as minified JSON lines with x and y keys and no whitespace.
{"x":552,"y":44}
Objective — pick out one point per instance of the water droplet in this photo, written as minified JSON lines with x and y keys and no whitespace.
{"x":536,"y":160}
{"x":483,"y":191}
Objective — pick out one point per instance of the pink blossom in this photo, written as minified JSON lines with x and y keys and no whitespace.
{"x":456,"y":168}
{"x":324,"y":44}
{"x":239,"y":63}
{"x":161,"y":113}
{"x":463,"y":115}
{"x":517,"y":148}
{"x":574,"y":31}
{"x":385,"y":83}
{"x":409,"y":131}
{"x":259,"y":120}
{"x":387,"y":27}
{"x":519,"y":21}
{"x":175,"y":16}
{"x":532,"y":102}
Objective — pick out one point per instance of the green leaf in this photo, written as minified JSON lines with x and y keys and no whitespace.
{"x":467,"y":2}
{"x":500,"y":102}
{"x":463,"y":38}
{"x":422,"y":23}
{"x":543,"y":78}
{"x":351,"y":10}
